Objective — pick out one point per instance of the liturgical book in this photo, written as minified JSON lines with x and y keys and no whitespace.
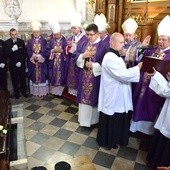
{"x":163,"y":66}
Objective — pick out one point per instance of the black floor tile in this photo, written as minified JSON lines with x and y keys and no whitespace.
{"x":69,"y":148}
{"x":58,"y":122}
{"x":32,"y":100}
{"x":53,"y":113}
{"x":84,"y":130}
{"x":66,"y":102}
{"x":104,"y":159}
{"x":48,"y":98}
{"x":33,"y":107}
{"x":91,"y":143}
{"x":50,"y":105}
{"x":35,"y":115}
{"x":74,"y":119}
{"x":72,"y":110}
{"x":127,"y":153}
{"x":63,"y":134}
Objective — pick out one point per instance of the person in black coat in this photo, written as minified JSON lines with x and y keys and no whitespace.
{"x":17,"y":54}
{"x":3,"y":66}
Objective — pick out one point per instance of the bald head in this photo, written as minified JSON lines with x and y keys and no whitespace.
{"x":117,"y":41}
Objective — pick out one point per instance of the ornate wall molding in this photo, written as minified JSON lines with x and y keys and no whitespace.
{"x":13,"y":8}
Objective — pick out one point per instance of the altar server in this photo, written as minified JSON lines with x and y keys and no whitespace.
{"x":115,"y":96}
{"x":158,"y":155}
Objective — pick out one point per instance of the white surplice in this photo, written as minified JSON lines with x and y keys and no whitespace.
{"x":115,"y":87}
{"x":162,"y":87}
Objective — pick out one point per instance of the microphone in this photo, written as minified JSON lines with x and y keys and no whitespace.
{"x":146,"y":47}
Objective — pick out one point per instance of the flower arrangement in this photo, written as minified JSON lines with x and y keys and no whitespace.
{"x":3,"y":130}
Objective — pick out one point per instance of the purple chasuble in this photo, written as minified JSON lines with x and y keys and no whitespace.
{"x":37,"y":72}
{"x":106,"y":40}
{"x":57,"y":61}
{"x":147,"y":104}
{"x":88,"y":87}
{"x":72,"y":73}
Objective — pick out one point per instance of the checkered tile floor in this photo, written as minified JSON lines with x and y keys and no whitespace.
{"x":53,"y":134}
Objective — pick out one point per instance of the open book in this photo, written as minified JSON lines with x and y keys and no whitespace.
{"x":163,"y":66}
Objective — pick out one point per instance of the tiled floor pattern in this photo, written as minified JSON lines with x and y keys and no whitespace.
{"x":53,"y":134}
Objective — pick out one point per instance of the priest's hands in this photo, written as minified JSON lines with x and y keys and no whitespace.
{"x":163,"y":168}
{"x":168,"y":77}
{"x":140,"y":65}
{"x":151,"y":74}
{"x":146,"y":41}
{"x":57,"y":49}
{"x":89,"y":65}
{"x":89,"y":54}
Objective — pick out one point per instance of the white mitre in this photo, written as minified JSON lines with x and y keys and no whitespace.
{"x":35,"y":25}
{"x":100,"y":21}
{"x":55,"y":26}
{"x":76,"y":21}
{"x":164,"y":26}
{"x":129,"y":26}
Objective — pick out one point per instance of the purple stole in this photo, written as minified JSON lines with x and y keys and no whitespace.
{"x":37,"y":49}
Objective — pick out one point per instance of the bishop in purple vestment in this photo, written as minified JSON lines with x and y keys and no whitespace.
{"x":147,"y":104}
{"x":37,"y":66}
{"x":73,"y":42}
{"x":56,"y":52}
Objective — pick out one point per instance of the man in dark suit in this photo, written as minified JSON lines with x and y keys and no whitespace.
{"x":3,"y":66}
{"x":17,"y":54}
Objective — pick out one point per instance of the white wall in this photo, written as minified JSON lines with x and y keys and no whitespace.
{"x":42,"y":10}
{"x":61,"y":10}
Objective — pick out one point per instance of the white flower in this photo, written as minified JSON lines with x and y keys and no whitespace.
{"x":4,"y":131}
{"x":1,"y":127}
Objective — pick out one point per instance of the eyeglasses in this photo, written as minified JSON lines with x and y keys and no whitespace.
{"x":90,"y":34}
{"x":73,"y":27}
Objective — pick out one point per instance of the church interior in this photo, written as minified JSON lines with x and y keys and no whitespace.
{"x":45,"y":130}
